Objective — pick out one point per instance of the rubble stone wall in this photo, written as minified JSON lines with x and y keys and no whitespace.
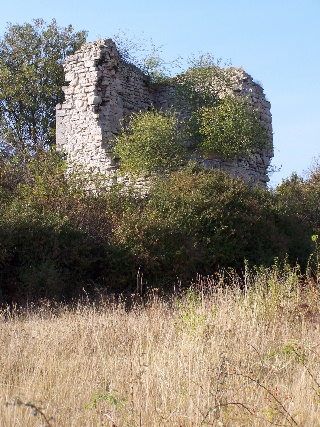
{"x":102,"y":89}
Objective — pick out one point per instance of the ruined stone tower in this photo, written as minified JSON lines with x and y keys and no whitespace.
{"x":102,"y":89}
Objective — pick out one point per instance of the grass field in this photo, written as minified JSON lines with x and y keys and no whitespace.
{"x":246,"y":354}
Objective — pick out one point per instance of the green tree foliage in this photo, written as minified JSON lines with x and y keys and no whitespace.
{"x":151,"y":143}
{"x":56,"y":237}
{"x":203,"y":83}
{"x":202,"y":220}
{"x":300,"y":198}
{"x":31,"y":80}
{"x":231,"y":129}
{"x":219,"y":122}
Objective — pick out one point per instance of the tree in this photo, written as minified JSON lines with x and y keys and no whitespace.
{"x":31,"y":80}
{"x":152,"y":142}
{"x":300,"y":198}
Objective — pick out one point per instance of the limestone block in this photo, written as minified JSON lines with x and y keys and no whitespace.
{"x":89,"y":63}
{"x":89,"y":88}
{"x":94,"y":99}
{"x":78,"y":103}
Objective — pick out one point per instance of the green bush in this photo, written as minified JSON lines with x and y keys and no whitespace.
{"x":54,"y":237}
{"x":203,"y":83}
{"x":151,"y":143}
{"x":218,"y":122}
{"x":231,"y":129}
{"x":200,"y":221}
{"x":300,"y":198}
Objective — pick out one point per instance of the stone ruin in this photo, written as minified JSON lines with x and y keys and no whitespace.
{"x":101,"y":89}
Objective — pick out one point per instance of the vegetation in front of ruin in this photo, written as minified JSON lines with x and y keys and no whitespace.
{"x":57,"y":237}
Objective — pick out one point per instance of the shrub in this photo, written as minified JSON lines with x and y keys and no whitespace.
{"x":300,"y":198}
{"x":231,"y":129}
{"x":219,"y":123}
{"x":54,"y":237}
{"x":151,"y":143}
{"x":203,"y":83}
{"x":200,"y":221}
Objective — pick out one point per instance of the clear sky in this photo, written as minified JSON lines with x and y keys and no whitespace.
{"x":276,"y":41}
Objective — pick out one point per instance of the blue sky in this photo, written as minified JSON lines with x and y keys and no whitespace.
{"x":276,"y":41}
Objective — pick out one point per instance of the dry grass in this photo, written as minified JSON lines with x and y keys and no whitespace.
{"x":221,"y":358}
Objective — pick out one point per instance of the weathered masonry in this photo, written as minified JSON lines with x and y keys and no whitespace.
{"x":102,"y":89}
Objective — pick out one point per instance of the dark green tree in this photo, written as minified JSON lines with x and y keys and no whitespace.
{"x":300,"y":198}
{"x":31,"y":80}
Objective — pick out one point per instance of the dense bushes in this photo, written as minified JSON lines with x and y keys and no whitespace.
{"x":54,"y":237}
{"x":301,"y":197}
{"x":57,"y":238}
{"x":199,"y":221}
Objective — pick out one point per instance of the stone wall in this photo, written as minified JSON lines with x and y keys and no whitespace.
{"x":102,"y":89}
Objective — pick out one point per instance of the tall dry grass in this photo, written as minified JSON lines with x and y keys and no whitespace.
{"x":215,"y":355}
